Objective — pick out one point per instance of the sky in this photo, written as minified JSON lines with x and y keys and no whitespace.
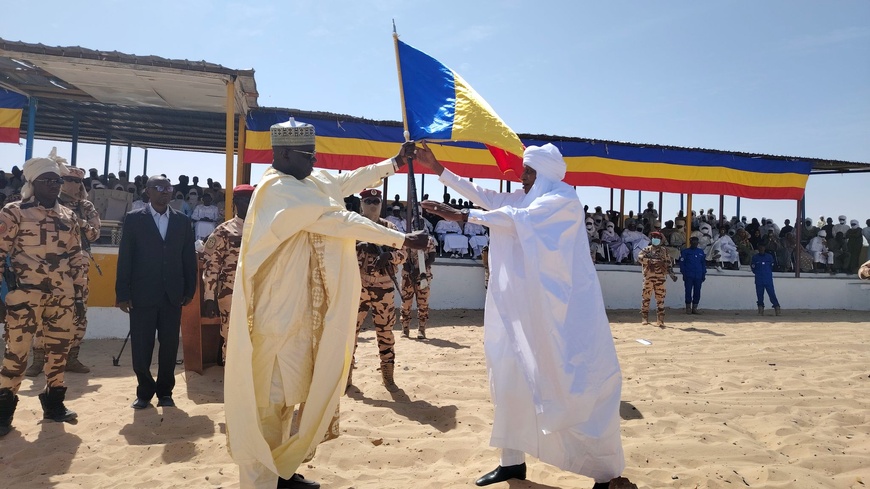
{"x":780,"y":77}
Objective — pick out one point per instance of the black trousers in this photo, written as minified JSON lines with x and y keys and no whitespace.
{"x":164,"y":320}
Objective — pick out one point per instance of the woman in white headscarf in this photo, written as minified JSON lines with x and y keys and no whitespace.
{"x":554,"y":377}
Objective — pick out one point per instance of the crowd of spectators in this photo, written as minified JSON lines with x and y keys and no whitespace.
{"x":731,"y":243}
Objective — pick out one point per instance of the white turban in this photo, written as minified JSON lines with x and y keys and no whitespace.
{"x":35,"y":167}
{"x":547,"y":161}
{"x":842,"y":218}
{"x":823,"y":233}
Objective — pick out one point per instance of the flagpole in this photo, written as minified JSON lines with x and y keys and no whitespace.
{"x":412,"y":212}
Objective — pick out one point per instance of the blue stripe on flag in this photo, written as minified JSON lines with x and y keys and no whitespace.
{"x":430,"y":89}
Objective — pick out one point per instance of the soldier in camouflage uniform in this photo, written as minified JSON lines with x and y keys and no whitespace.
{"x":416,"y":284}
{"x":74,"y":196}
{"x":43,"y":240}
{"x":377,"y":267}
{"x":221,"y":257}
{"x":657,"y":266}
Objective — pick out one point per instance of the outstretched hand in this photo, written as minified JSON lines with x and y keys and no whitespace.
{"x":405,"y":152}
{"x":442,"y":210}
{"x":426,"y":158}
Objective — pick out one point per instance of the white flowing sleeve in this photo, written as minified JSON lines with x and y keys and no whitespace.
{"x":346,"y":224}
{"x":488,"y":199}
{"x":368,"y":176}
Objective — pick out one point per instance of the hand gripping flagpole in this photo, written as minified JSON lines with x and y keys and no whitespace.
{"x":414,"y":221}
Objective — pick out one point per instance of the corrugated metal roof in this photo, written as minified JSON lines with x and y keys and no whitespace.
{"x":147,"y":101}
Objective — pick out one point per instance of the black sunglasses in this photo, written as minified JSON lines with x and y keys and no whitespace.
{"x":50,"y":181}
{"x":72,"y":179}
{"x":162,"y":188}
{"x":310,"y":154}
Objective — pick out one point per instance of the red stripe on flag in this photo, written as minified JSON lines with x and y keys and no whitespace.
{"x":258,"y":156}
{"x":593,"y":179}
{"x":506,"y":161}
{"x":9,"y":135}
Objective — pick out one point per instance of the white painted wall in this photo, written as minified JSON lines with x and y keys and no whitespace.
{"x":458,"y":284}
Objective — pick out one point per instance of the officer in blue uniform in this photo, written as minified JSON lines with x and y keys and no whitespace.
{"x":762,"y":267}
{"x":693,"y":266}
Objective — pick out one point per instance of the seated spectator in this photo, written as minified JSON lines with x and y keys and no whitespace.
{"x":678,"y":237}
{"x":704,"y":233}
{"x":178,"y":203}
{"x":725,"y":251}
{"x":619,"y":252}
{"x":596,"y":250}
{"x":396,"y":218}
{"x":451,"y":238}
{"x":772,"y":245}
{"x":823,"y":258}
{"x":635,"y":240}
{"x":205,"y":218}
{"x":477,"y":238}
{"x":837,"y":246}
{"x":141,"y":203}
{"x":745,"y":251}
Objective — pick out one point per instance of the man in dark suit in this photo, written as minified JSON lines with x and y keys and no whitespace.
{"x":156,"y":277}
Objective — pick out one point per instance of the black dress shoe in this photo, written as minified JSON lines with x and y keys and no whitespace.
{"x":298,"y":481}
{"x":501,"y":474}
{"x":140,"y":403}
{"x":166,"y":401}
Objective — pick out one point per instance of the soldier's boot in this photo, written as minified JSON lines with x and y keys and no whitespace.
{"x":776,"y":310}
{"x":695,"y":309}
{"x":73,"y":364}
{"x":421,"y":332}
{"x":688,"y":308}
{"x":761,"y":310}
{"x":387,"y":374}
{"x":8,"y":401}
{"x":406,"y":330}
{"x":36,"y":367}
{"x":52,"y":405}
{"x":660,"y":318}
{"x":644,"y":317}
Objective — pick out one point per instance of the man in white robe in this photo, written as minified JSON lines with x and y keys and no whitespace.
{"x":294,"y":308}
{"x":554,"y":376}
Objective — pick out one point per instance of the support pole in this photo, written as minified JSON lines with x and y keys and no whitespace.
{"x":75,"y":141}
{"x":129,"y":155}
{"x":738,"y":208}
{"x":384,"y":197}
{"x":682,"y":208}
{"x":611,"y":200}
{"x":721,"y":208}
{"x":230,"y":139}
{"x":31,"y":127}
{"x":108,"y":155}
{"x":145,"y":163}
{"x":621,"y":207}
{"x":688,"y":217}
{"x":661,"y":211}
{"x":241,"y":174}
{"x":796,"y":257}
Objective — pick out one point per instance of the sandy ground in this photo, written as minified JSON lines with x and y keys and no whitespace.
{"x":723,"y":399}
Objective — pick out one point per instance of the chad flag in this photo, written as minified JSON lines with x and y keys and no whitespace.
{"x":11,"y":105}
{"x":440,"y":105}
